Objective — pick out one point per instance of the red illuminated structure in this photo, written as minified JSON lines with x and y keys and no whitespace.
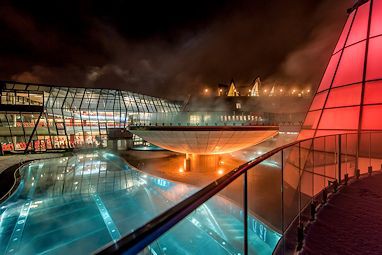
{"x":349,"y":98}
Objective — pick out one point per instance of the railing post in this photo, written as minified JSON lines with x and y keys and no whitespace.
{"x":370,"y":167}
{"x":299,"y":182}
{"x":245,"y":213}
{"x":339,"y":158}
{"x":300,"y":228}
{"x":356,"y":170}
{"x":312,"y":211}
{"x":282,"y":201}
{"x":300,"y":236}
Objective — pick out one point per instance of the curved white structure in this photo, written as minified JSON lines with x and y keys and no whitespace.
{"x":205,"y":140}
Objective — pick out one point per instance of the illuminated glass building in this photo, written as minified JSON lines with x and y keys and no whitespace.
{"x":48,"y":117}
{"x":349,"y":98}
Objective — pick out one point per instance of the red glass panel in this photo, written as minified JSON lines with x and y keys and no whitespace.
{"x":373,"y":93}
{"x":311,"y":120}
{"x":328,"y":76}
{"x":344,"y":34}
{"x":359,"y":28}
{"x":318,"y":101}
{"x":350,"y":69}
{"x":374,"y":59}
{"x":376,"y":19}
{"x":305,"y":134}
{"x":331,"y":132}
{"x":340,"y":118}
{"x":344,"y":96}
{"x":371,"y":117}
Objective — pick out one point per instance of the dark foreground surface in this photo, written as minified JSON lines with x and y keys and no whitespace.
{"x":351,"y":222}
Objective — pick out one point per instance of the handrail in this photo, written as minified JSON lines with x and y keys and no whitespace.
{"x":146,"y":234}
{"x":149,"y":232}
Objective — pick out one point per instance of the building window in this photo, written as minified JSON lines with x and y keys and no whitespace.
{"x":238,"y":106}
{"x":195,"y":119}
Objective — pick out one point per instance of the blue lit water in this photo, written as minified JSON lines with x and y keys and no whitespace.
{"x":78,"y":204}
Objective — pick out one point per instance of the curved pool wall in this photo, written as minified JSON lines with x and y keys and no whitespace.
{"x":78,"y":204}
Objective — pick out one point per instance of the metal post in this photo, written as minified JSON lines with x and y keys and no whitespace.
{"x":357,"y":154}
{"x":299,"y":182}
{"x":245,"y":214}
{"x":339,"y":158}
{"x":370,"y":168}
{"x":282,"y":200}
{"x":33,"y":131}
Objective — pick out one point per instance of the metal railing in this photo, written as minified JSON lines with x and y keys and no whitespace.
{"x":201,"y":119}
{"x":282,"y":188}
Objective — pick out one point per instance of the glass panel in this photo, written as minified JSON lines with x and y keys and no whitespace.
{"x":340,"y":118}
{"x":376,"y":21}
{"x":307,"y":177}
{"x":359,"y":28}
{"x":376,"y":150}
{"x":305,"y":133}
{"x":350,"y":69}
{"x":318,"y":101}
{"x":216,"y":227}
{"x":318,"y":166}
{"x":329,"y":73}
{"x":370,"y":116}
{"x":311,"y":120}
{"x":331,"y":148}
{"x":344,"y":96}
{"x":364,"y":160}
{"x":291,"y":182}
{"x":373,"y":92}
{"x":349,"y":153}
{"x":264,"y":204}
{"x":344,"y":33}
{"x":332,"y":132}
{"x":374,"y":70}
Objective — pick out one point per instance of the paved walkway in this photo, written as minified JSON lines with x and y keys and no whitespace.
{"x":351,"y":222}
{"x":8,"y":161}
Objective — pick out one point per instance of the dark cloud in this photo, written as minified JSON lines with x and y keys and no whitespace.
{"x":165,"y":49}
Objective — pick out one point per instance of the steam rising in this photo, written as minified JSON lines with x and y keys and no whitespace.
{"x":284,"y":42}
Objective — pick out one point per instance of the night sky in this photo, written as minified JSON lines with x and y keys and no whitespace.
{"x":168,"y":48}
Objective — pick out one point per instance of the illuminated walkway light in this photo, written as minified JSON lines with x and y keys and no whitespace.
{"x":110,"y":225}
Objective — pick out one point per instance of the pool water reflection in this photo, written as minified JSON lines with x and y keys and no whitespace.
{"x":78,"y":204}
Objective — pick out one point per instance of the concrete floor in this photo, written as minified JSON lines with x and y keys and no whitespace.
{"x":10,"y":160}
{"x":350,"y":223}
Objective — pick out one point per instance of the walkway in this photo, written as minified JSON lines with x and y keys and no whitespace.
{"x":8,"y":161}
{"x":351,"y":222}
{"x":9,"y":164}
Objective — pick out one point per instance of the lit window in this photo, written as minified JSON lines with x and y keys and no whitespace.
{"x":194,"y":119}
{"x":238,"y":106}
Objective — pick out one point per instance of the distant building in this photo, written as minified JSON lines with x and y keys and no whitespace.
{"x":232,"y":92}
{"x":257,"y":89}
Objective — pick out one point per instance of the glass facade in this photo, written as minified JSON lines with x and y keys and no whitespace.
{"x":349,"y":96}
{"x":47,"y":117}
